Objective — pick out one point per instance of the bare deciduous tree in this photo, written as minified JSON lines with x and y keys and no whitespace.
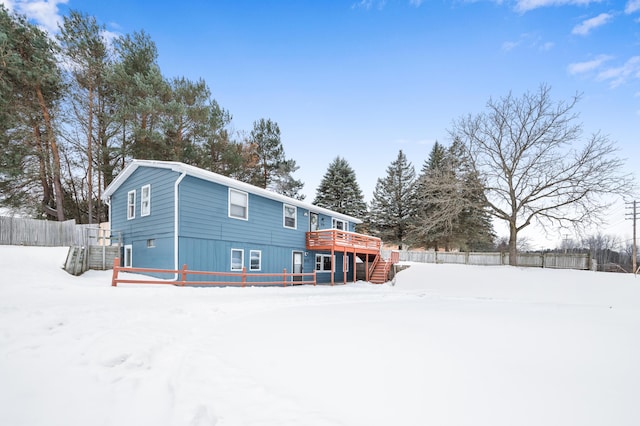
{"x":536,"y":165}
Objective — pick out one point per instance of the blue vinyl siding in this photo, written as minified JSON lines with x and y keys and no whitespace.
{"x":204,"y":214}
{"x":206,"y":233}
{"x":158,"y":225}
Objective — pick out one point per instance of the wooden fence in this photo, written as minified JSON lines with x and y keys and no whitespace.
{"x":241,"y":279}
{"x":19,"y":231}
{"x":539,"y":260}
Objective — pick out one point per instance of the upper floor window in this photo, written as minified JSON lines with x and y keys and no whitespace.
{"x":145,"y":200}
{"x":238,"y":204}
{"x":339,"y":224}
{"x":290,"y":214}
{"x":131,"y":204}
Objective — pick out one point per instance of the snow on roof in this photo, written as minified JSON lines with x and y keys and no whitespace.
{"x":220,"y":179}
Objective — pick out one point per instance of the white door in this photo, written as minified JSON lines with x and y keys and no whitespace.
{"x":128,"y":256}
{"x":297,"y":265}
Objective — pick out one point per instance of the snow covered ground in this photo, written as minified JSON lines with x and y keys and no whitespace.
{"x":447,"y":345}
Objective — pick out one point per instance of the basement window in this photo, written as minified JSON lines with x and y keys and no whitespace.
{"x":151,"y":243}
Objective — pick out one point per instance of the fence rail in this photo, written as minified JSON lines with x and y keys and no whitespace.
{"x":539,"y":260}
{"x":228,"y":278}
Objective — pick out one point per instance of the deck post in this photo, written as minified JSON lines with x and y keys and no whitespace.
{"x":345,"y":263}
{"x":114,"y":276}
{"x":333,"y":265}
{"x":355,"y":272}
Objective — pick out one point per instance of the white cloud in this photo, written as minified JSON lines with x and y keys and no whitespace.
{"x":632,"y":6}
{"x":509,"y":45}
{"x":547,"y":46}
{"x":582,"y":67}
{"x":620,"y":75}
{"x":586,"y":26}
{"x":527,"y":5}
{"x":368,"y":4}
{"x":43,"y":12}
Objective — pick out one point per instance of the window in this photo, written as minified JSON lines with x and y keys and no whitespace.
{"x":255,"y":260}
{"x":128,"y":256}
{"x":237,"y":259}
{"x":238,"y":204}
{"x":339,"y":224}
{"x":145,"y":200}
{"x":151,"y":243}
{"x":323,"y":262}
{"x":290,"y":214}
{"x":131,"y":204}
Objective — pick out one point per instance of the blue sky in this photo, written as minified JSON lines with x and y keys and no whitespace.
{"x":364,"y":79}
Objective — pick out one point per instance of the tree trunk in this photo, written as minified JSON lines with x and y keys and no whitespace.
{"x":57,"y":182}
{"x":513,"y":248}
{"x":90,"y":157}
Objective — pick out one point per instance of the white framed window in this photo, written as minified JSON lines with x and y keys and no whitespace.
{"x":128,"y":256}
{"x":131,"y":204}
{"x":237,"y":259}
{"x":238,"y":204}
{"x":151,"y":243}
{"x":145,"y":200}
{"x":339,"y":224}
{"x":255,"y":260}
{"x":323,"y":262}
{"x":290,"y":214}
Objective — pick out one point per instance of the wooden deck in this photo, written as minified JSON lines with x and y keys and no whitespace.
{"x":337,"y":240}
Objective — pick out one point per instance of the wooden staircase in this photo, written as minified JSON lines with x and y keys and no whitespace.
{"x":379,"y":271}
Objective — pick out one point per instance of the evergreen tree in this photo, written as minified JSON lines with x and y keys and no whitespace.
{"x":268,"y":166}
{"x":450,"y":211}
{"x":30,"y":88}
{"x":391,"y":210}
{"x":267,"y":150}
{"x":339,"y":190}
{"x":86,"y":51}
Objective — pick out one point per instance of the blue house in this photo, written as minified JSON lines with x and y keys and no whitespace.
{"x":169,"y":214}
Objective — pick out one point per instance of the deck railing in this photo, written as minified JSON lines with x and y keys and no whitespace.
{"x":242,"y":279}
{"x":337,"y":239}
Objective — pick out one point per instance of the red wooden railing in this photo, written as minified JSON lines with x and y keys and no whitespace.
{"x":335,"y":238}
{"x":241,"y":278}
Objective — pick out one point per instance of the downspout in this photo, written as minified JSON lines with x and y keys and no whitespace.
{"x":175,"y":224}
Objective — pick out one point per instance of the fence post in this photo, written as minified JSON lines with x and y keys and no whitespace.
{"x":314,"y":277}
{"x":284,"y":277}
{"x":114,"y":276}
{"x":184,"y":274}
{"x":244,"y":275}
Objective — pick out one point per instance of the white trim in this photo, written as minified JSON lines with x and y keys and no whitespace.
{"x":241,"y":259}
{"x":345,"y":224}
{"x":246,"y":212}
{"x":176,"y":211}
{"x":131,"y":212}
{"x":284,"y":216}
{"x":223,"y":180}
{"x":259,"y":260}
{"x":315,"y":265}
{"x":147,"y":211}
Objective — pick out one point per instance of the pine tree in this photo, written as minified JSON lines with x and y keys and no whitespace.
{"x":450,"y":208}
{"x":30,"y":87}
{"x":339,"y":190}
{"x":392,"y":207}
{"x":268,"y":167}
